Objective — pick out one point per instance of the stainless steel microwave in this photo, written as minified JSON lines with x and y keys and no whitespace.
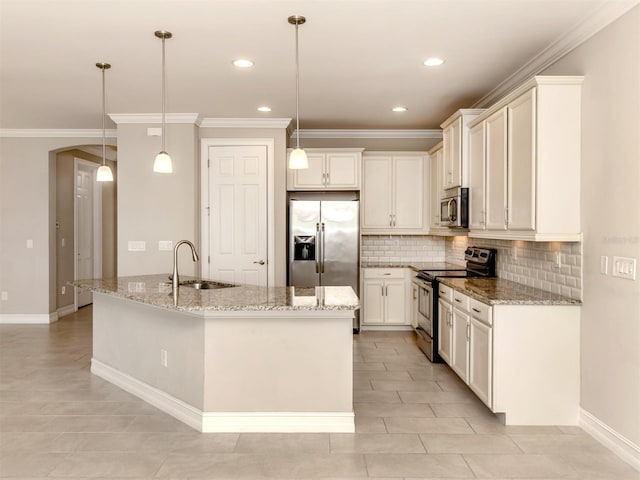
{"x":454,"y":208}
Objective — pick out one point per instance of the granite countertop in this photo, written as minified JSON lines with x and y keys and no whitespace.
{"x":416,"y":266}
{"x":498,"y":291}
{"x":156,"y":290}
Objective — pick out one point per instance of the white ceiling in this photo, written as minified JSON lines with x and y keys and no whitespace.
{"x":358,"y":58}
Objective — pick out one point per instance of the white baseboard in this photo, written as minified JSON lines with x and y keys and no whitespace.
{"x":209,"y":422}
{"x":621,"y":446}
{"x":66,"y":310}
{"x":387,"y":328}
{"x":29,"y":318}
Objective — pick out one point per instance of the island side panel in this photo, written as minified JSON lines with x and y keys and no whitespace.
{"x":280,"y":362}
{"x":128,"y":337}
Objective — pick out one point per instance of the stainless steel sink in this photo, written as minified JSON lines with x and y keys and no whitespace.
{"x":205,"y":284}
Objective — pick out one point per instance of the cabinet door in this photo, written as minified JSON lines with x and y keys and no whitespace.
{"x":343,"y":170}
{"x":373,"y":302}
{"x":480,"y":361}
{"x":395,"y":302}
{"x":476,"y":177}
{"x":312,"y":177}
{"x":460,"y":343}
{"x":522,"y":162}
{"x":444,"y":329}
{"x":452,"y":140}
{"x":408,"y":198}
{"x":376,"y":192}
{"x":496,"y":165}
{"x":435,"y":189}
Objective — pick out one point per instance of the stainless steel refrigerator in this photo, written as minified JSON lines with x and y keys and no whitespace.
{"x":324,"y":240}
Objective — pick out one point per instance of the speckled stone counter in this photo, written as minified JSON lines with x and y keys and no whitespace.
{"x":156,"y":290}
{"x":498,"y":291}
{"x":416,"y":266}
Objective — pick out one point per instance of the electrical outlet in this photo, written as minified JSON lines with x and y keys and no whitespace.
{"x":165,"y":245}
{"x":163,"y":358}
{"x":62,"y":242}
{"x":5,"y":296}
{"x":604,"y":265}
{"x":29,"y":243}
{"x":624,"y":267}
{"x":63,"y":290}
{"x":558,"y":260}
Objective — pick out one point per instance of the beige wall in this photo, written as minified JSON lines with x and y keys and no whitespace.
{"x":27,"y":210}
{"x":373,"y":144}
{"x":154,"y":206}
{"x":280,"y":185}
{"x":610,"y":336}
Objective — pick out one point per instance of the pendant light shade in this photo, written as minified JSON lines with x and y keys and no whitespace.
{"x":104,"y":173}
{"x":298,"y":157}
{"x":162,"y":163}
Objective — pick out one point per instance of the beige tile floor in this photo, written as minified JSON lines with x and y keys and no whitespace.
{"x":414,"y":419}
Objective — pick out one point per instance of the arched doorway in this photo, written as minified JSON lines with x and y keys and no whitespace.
{"x":85,"y":222}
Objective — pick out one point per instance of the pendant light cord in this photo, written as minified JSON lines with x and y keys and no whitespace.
{"x":297,"y":92}
{"x":104,"y":114}
{"x":163,"y":39}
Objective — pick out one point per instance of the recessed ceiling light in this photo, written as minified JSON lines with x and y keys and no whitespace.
{"x":399,"y":109}
{"x":433,"y":62}
{"x":264,"y":109}
{"x":243,"y":63}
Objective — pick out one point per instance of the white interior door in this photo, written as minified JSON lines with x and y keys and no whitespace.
{"x":238,"y":214}
{"x":88,"y":227}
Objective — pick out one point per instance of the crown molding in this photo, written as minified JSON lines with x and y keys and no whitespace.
{"x":599,"y":19}
{"x":126,"y":118}
{"x":364,"y":133}
{"x":56,"y":133}
{"x":244,"y":122}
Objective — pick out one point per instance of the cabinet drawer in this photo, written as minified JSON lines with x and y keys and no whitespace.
{"x":481,"y":311}
{"x":383,"y":273}
{"x":461,"y":301}
{"x":446,"y":293}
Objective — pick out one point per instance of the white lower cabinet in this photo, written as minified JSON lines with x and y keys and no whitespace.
{"x":520,"y":360}
{"x":385,"y":296}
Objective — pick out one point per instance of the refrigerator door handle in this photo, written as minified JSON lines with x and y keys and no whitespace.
{"x":322,"y":252}
{"x":317,"y":243}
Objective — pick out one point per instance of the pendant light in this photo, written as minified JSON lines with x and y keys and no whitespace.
{"x":163,"y":163}
{"x":104,"y":173}
{"x":298,"y":158}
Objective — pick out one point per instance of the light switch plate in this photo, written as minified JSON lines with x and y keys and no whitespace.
{"x":137,"y":245}
{"x":624,"y":267}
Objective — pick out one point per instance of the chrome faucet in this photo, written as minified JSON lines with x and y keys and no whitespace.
{"x":175,"y":280}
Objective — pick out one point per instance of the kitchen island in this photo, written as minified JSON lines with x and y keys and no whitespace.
{"x":239,"y":359}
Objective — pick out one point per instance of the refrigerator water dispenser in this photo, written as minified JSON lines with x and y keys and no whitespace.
{"x":304,"y":247}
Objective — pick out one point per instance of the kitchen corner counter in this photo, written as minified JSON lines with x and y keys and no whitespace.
{"x":416,"y":266}
{"x":156,"y":290}
{"x":498,"y":291}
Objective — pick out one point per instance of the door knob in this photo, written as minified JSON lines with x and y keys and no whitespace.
{"x":261,"y":262}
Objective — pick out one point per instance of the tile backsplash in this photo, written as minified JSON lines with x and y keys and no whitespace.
{"x":530,"y":263}
{"x":402,"y":248}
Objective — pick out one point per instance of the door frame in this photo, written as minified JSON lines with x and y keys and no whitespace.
{"x":79,"y":163}
{"x":204,"y":195}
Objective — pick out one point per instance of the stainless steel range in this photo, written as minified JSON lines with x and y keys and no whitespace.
{"x":480,"y":262}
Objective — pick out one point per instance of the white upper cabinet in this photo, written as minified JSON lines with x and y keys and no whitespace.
{"x":329,"y":169}
{"x":477,"y":180}
{"x":455,"y":134}
{"x":531,"y":160}
{"x":394,"y":193}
